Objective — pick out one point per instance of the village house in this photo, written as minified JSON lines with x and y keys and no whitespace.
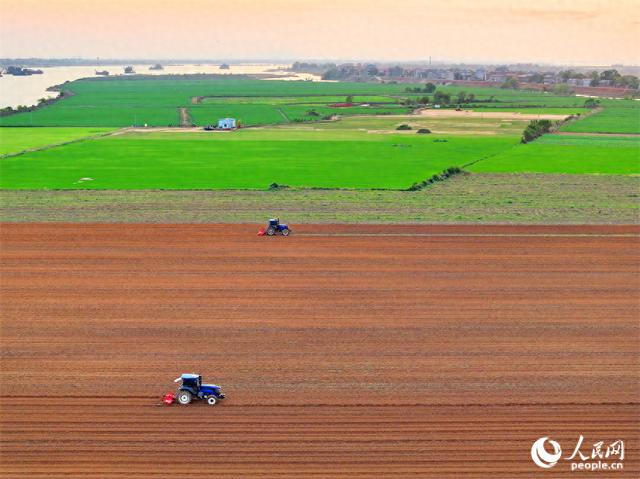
{"x":227,"y":123}
{"x":497,"y":77}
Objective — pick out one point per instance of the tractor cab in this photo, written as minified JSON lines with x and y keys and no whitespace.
{"x":274,"y":222}
{"x":190,"y":382}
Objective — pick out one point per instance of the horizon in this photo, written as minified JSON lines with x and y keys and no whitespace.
{"x":98,"y":61}
{"x":560,"y":32}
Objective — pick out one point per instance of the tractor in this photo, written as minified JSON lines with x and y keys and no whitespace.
{"x":275,"y":227}
{"x":193,"y":388}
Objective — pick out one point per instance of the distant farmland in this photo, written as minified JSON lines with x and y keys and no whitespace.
{"x":360,"y":148}
{"x":122,"y":102}
{"x":246,"y":160}
{"x":617,"y":116}
{"x":128,"y":101}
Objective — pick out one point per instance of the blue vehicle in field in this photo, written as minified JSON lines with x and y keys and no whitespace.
{"x":275,"y":227}
{"x":193,"y":388}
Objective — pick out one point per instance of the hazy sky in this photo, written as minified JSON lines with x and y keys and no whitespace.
{"x":595,"y":32}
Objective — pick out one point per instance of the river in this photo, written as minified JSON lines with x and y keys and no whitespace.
{"x":27,"y":90}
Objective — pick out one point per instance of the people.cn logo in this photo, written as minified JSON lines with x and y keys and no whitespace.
{"x":542,"y":457}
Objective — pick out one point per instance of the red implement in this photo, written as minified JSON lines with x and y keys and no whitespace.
{"x":168,"y":399}
{"x":261,"y":232}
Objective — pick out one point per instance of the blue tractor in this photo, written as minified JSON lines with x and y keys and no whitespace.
{"x":275,"y":227}
{"x":193,"y":388}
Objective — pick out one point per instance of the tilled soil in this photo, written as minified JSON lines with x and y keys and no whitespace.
{"x":363,"y":351}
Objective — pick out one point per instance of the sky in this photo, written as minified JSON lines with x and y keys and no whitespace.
{"x":587,"y":32}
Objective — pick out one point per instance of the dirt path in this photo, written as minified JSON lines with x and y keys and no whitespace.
{"x":406,"y":356}
{"x":185,"y":118}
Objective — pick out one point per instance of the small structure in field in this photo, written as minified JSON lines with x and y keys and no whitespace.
{"x":227,"y":123}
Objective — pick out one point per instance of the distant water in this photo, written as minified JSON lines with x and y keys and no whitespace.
{"x":27,"y":90}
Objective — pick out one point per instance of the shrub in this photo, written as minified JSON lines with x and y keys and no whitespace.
{"x":592,"y":103}
{"x":275,"y":187}
{"x":441,"y":98}
{"x":448,"y":173}
{"x":404,"y":126}
{"x":536,"y":129}
{"x":423,"y":131}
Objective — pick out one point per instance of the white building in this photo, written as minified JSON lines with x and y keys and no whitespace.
{"x":227,"y":123}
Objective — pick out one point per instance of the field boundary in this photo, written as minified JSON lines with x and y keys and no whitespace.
{"x":284,"y":115}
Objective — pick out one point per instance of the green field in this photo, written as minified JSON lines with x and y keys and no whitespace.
{"x":294,"y":100}
{"x":361,"y":150}
{"x":568,"y":154}
{"x":246,"y":160}
{"x":15,"y":140}
{"x":138,"y":100}
{"x":256,"y":114}
{"x":617,"y":116}
{"x":131,"y":101}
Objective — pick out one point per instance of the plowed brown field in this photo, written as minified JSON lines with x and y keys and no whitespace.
{"x":359,"y":351}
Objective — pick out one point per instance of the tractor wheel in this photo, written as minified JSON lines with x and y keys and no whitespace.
{"x":184,"y":397}
{"x":211,"y":401}
{"x":285,"y":232}
{"x":271,"y":231}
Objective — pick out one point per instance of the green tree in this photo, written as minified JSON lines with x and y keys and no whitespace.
{"x":441,"y":98}
{"x":591,"y":103}
{"x":535,"y":129}
{"x":629,"y":81}
{"x":611,"y":75}
{"x":429,"y":88}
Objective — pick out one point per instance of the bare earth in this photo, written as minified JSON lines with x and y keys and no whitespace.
{"x":359,"y":351}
